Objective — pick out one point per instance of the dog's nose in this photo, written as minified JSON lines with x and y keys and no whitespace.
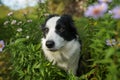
{"x":50,"y":44}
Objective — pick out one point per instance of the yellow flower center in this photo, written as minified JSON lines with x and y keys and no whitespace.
{"x":1,"y":45}
{"x":96,"y":11}
{"x":105,"y":0}
{"x":119,"y":12}
{"x":110,"y":41}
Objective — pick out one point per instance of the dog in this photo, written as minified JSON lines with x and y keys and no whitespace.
{"x":60,"y":42}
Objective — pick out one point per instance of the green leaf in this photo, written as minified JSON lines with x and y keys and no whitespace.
{"x":20,"y":40}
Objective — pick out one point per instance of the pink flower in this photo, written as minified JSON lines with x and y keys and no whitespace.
{"x":96,"y":10}
{"x":1,"y":45}
{"x":116,"y":12}
{"x":105,"y":0}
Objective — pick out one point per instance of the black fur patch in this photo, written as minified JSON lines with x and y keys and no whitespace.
{"x":65,"y":27}
{"x":68,"y":29}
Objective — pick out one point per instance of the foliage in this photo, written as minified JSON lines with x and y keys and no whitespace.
{"x":4,"y":11}
{"x":100,"y":40}
{"x":23,"y":44}
{"x":103,"y":45}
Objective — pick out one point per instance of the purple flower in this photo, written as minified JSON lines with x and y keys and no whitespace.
{"x":105,"y":0}
{"x":116,"y":12}
{"x":111,"y":42}
{"x":1,"y":45}
{"x":96,"y":10}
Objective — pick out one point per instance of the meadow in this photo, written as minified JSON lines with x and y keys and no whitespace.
{"x":22,"y":58}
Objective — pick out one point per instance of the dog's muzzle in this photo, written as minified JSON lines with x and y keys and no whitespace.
{"x":50,"y":44}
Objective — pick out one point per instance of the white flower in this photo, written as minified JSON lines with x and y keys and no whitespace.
{"x":46,"y":14}
{"x":20,"y":22}
{"x":13,"y":22}
{"x":29,"y":20}
{"x":110,"y":12}
{"x":6,"y":22}
{"x":27,"y":37}
{"x":19,"y":29}
{"x":10,"y":13}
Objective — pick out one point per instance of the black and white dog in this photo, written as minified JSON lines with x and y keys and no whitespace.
{"x":60,"y":42}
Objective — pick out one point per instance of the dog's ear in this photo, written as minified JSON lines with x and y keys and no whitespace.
{"x":68,"y":21}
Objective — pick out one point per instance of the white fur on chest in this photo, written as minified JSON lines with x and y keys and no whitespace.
{"x":67,"y":57}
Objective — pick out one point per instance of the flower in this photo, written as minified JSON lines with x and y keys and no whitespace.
{"x":6,"y":22}
{"x":111,"y":42}
{"x":13,"y":22}
{"x":96,"y":10}
{"x":46,"y":14}
{"x":20,"y":22}
{"x":1,"y":45}
{"x":10,"y":13}
{"x":116,"y":12}
{"x":29,"y":20}
{"x":105,"y":0}
{"x":110,"y":12}
{"x":19,"y":29}
{"x":27,"y":37}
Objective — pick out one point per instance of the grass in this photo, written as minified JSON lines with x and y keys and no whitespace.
{"x":4,"y":10}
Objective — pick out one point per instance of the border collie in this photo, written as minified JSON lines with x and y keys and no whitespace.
{"x":60,"y":42}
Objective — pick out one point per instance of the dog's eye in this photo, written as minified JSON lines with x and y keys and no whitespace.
{"x":61,"y":29}
{"x":46,"y":30}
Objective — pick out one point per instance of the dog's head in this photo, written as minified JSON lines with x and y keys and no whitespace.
{"x":57,"y":31}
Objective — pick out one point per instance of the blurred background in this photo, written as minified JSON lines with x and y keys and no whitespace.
{"x":75,"y":7}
